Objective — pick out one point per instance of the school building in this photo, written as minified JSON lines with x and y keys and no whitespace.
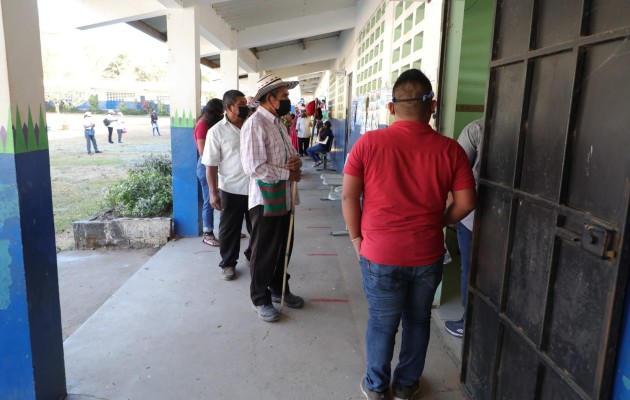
{"x":548,"y":306}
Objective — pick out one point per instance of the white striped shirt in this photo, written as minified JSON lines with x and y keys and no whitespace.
{"x":265,"y":149}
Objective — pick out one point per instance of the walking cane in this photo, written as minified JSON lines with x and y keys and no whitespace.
{"x":286,"y":253}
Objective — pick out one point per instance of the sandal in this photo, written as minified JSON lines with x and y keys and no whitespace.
{"x":209,"y":239}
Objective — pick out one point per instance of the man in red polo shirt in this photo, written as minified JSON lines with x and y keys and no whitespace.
{"x":405,"y":173}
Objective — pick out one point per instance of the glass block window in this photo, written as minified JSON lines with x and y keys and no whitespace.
{"x":120,"y":96}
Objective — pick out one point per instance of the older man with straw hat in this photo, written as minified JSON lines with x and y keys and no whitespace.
{"x":273,"y":166}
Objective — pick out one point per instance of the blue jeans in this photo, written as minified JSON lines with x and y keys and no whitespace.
{"x":464,"y":241}
{"x":90,"y":140}
{"x":313,"y":150}
{"x":395,"y":293}
{"x":207,"y":212}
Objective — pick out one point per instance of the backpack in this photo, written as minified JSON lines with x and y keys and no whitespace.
{"x":106,"y":121}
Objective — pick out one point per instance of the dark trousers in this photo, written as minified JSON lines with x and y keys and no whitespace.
{"x":110,"y":130}
{"x":234,"y":209}
{"x":303,"y":145}
{"x":268,"y":244}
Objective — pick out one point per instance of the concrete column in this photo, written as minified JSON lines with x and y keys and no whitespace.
{"x":229,"y":71}
{"x":185,"y":94}
{"x":252,"y":80}
{"x":31,"y":345}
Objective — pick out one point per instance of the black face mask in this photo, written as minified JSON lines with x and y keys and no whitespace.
{"x":285,"y":107}
{"x":243,"y":112}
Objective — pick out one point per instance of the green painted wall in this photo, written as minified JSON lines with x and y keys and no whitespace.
{"x":474,"y":59}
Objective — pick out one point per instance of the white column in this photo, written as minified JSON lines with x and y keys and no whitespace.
{"x":252,"y":80}
{"x":185,"y":94}
{"x":183,"y":60}
{"x":229,"y":71}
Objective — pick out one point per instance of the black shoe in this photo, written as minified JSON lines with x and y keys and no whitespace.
{"x":291,"y":300}
{"x":111,"y":141}
{"x":371,"y":395}
{"x":98,"y":151}
{"x":267,"y":312}
{"x":406,"y":392}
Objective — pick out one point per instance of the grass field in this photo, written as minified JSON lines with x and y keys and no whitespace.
{"x":79,"y":179}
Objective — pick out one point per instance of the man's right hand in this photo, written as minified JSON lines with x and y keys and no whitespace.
{"x":295,"y":176}
{"x":215,"y":201}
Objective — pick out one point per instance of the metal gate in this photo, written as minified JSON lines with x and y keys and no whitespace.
{"x":551,"y":247}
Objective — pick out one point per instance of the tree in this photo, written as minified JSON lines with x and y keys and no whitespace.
{"x":67,"y":99}
{"x":117,"y":67}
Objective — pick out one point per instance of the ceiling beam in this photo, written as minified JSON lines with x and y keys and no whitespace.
{"x":88,"y":14}
{"x":303,"y":69}
{"x":149,"y":30}
{"x":318,"y":50}
{"x":215,"y":29}
{"x":297,"y":28}
{"x":208,"y":63}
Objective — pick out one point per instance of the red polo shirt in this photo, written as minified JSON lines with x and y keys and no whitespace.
{"x":407,"y":171}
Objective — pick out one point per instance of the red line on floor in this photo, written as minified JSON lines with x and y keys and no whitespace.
{"x":321,"y":254}
{"x":331,"y":300}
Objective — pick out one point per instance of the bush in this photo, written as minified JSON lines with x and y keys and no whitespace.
{"x":147,"y":191}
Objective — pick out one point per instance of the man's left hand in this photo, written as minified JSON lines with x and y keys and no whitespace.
{"x":294,"y":163}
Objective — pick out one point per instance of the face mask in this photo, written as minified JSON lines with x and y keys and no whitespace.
{"x":285,"y":107}
{"x":243,"y":112}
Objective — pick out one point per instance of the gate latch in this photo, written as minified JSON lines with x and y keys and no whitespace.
{"x":597,"y":240}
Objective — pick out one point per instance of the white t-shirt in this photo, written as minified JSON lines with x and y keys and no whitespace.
{"x":303,"y":127}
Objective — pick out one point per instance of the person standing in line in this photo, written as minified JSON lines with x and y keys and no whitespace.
{"x":119,"y":125}
{"x":403,"y":174}
{"x":273,"y":165}
{"x":109,"y":121}
{"x":88,"y":130}
{"x":470,"y":139}
{"x":154,"y":123}
{"x":303,"y":129}
{"x":227,"y":182}
{"x":210,"y":115}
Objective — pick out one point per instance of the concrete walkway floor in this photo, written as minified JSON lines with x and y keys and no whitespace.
{"x":175,"y":330}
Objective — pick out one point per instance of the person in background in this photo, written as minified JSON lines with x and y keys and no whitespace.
{"x":268,"y":158}
{"x":227,"y":182}
{"x":109,"y":121}
{"x":293,"y":132}
{"x":470,"y":139}
{"x":154,"y":123}
{"x":210,"y":115}
{"x":325,"y":138}
{"x":395,"y":185}
{"x":303,"y":128}
{"x":119,"y":125}
{"x":88,"y":129}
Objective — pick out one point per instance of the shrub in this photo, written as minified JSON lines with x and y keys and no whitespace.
{"x":146,"y":192}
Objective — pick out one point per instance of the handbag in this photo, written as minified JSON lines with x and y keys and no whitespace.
{"x":274,"y":195}
{"x":274,"y":198}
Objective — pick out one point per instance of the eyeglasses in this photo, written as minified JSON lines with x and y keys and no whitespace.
{"x":426,"y":97}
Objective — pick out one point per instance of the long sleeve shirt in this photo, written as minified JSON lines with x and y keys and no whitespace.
{"x":265,"y":149}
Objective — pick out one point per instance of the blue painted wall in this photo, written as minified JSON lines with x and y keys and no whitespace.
{"x":621,"y":390}
{"x":31,"y":345}
{"x":186,"y":210}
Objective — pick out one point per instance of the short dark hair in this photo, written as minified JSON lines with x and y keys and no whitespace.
{"x":413,"y":84}
{"x":230,"y":97}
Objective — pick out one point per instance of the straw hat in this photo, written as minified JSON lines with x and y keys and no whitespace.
{"x":270,"y":82}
